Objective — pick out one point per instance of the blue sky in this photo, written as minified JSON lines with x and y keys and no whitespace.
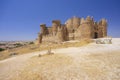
{"x":20,"y":19}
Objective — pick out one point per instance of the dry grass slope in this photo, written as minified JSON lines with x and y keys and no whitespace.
{"x":91,"y":62}
{"x":103,"y":66}
{"x":43,"y":46}
{"x":43,"y":68}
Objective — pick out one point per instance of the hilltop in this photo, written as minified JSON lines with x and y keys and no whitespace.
{"x":92,"y":62}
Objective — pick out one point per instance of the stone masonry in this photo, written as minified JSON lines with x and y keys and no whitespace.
{"x":74,"y":28}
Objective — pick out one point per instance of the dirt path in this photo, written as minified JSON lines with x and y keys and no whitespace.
{"x":91,"y":62}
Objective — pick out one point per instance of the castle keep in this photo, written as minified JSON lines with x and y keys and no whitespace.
{"x":74,"y":28}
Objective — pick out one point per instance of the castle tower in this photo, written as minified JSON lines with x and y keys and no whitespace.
{"x":69,"y":25}
{"x":86,"y":28}
{"x":40,"y":38}
{"x":65,"y":32}
{"x":76,"y":22}
{"x":43,"y":29}
{"x":88,"y":18}
{"x":72,"y":24}
{"x":104,"y":24}
{"x":49,"y":30}
{"x":55,"y":25}
{"x":82,"y":21}
{"x":60,"y":35}
{"x":103,"y":28}
{"x":96,"y":30}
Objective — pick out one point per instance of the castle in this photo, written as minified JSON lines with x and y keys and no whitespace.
{"x":74,"y":28}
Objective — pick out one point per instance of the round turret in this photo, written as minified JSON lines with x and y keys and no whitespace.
{"x":72,"y":23}
{"x":103,"y":28}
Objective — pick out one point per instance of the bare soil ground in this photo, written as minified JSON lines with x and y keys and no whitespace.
{"x":90,"y":62}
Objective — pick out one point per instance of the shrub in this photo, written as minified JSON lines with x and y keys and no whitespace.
{"x":31,"y":43}
{"x":1,"y":49}
{"x":18,"y":45}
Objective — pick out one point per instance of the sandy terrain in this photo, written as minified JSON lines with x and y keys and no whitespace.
{"x":90,"y":62}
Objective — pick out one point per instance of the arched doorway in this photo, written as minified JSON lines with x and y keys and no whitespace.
{"x":95,"y":35}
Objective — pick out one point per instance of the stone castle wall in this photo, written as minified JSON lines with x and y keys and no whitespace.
{"x":74,"y":28}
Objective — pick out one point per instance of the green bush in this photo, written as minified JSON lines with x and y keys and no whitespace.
{"x":1,"y":49}
{"x":31,"y":43}
{"x":18,"y":45}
